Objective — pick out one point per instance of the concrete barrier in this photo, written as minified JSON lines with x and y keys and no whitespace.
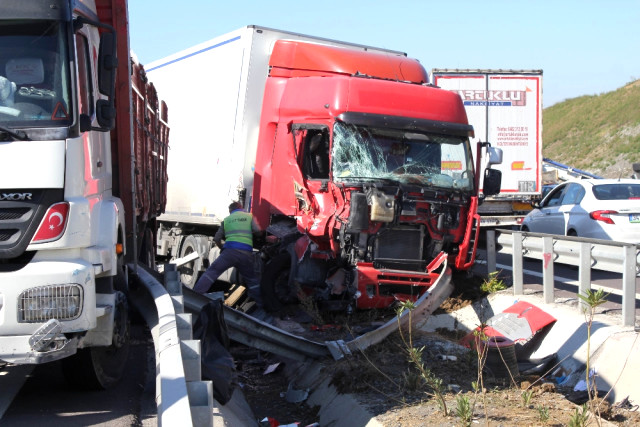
{"x":615,"y":349}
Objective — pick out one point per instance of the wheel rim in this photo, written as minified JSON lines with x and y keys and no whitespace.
{"x":189,"y":271}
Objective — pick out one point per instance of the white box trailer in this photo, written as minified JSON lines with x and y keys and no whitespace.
{"x":505,"y":109}
{"x":216,"y":88}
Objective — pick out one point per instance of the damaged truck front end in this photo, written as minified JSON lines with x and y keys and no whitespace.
{"x":408,"y":188}
{"x":365,"y":178}
{"x":384,"y":204}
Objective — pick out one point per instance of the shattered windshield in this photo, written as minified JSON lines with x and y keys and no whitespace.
{"x":34,"y":74}
{"x":428,"y":159}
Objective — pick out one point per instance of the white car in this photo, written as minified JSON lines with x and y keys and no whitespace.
{"x":606,"y":209}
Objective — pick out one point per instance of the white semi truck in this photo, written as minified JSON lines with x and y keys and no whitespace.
{"x":83,"y":145}
{"x":505,"y":108}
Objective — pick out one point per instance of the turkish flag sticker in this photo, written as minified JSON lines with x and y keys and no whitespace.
{"x":53,"y":224}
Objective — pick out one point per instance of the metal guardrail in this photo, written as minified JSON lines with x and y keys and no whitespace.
{"x":587,"y":254}
{"x":181,"y":397}
{"x":255,"y":333}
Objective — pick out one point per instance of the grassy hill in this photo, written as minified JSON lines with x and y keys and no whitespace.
{"x":599,"y":134}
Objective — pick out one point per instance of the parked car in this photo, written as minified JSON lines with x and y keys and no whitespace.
{"x":595,"y":208}
{"x":546,"y":189}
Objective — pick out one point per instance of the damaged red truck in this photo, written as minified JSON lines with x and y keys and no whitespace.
{"x":360,"y":171}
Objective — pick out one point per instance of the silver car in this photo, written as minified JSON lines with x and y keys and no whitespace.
{"x":606,"y":209}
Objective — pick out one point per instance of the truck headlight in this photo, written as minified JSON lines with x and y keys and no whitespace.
{"x":62,"y":302}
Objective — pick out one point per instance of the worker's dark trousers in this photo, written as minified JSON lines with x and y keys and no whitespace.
{"x":242,"y":261}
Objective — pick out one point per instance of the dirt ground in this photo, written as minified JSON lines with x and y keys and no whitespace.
{"x":393,"y":390}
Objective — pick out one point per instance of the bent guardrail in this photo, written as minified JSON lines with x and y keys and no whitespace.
{"x":181,"y":397}
{"x":604,"y":255}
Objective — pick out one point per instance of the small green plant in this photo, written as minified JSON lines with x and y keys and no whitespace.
{"x":480,"y":339}
{"x":493,"y":283}
{"x":580,"y":417}
{"x":412,"y":380}
{"x":543,"y":413}
{"x":463,"y":410}
{"x":592,"y":299}
{"x":526,"y":398}
{"x":415,"y":358}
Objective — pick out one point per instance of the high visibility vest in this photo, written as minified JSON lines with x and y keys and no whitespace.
{"x":237,"y":228}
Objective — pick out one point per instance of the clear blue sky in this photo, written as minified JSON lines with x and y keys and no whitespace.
{"x":584,"y":47}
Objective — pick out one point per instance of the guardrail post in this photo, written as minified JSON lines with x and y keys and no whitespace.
{"x":518,"y":283}
{"x":547,"y":270}
{"x":584,"y":274}
{"x":491,"y":251}
{"x":629,"y":286}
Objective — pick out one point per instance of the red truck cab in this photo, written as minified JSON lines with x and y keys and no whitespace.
{"x":374,"y":166}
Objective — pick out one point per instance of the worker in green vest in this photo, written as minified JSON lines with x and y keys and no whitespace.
{"x":237,"y":231}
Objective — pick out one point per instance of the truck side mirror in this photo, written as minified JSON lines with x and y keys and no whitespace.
{"x":107,"y":64}
{"x":492,"y":181}
{"x":495,"y":155}
{"x":105,"y":114}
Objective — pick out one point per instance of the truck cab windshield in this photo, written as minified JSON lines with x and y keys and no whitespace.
{"x":407,"y":157}
{"x":34,"y":74}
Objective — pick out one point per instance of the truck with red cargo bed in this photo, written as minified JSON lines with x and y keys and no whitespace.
{"x":83,"y":152}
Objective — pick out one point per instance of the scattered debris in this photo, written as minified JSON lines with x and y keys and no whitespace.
{"x":271,"y":368}
{"x":295,"y":396}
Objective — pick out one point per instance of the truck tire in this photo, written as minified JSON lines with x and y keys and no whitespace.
{"x":99,"y":368}
{"x":148,"y":250}
{"x":190,"y":271}
{"x":274,"y":284}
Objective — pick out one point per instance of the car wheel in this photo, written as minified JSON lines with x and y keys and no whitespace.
{"x":572,"y":233}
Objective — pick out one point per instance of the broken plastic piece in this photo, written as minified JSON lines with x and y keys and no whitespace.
{"x":271,"y":368}
{"x":45,"y":335}
{"x":295,"y":396}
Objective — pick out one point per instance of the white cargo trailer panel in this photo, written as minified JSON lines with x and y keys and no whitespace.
{"x":505,"y":108}
{"x":215,"y":91}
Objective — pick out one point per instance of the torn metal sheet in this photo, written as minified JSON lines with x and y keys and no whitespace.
{"x":519,"y":323}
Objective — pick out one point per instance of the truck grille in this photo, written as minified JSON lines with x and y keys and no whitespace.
{"x":5,"y":235}
{"x":62,"y":302}
{"x":9,"y":214}
{"x":19,"y":219}
{"x":399,"y":244}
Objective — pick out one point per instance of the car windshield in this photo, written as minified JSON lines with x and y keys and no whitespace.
{"x":422,"y":158}
{"x":34,"y":74}
{"x":617,"y":191}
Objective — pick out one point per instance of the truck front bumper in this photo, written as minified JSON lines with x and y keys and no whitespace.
{"x":44,"y":307}
{"x":381,"y":288}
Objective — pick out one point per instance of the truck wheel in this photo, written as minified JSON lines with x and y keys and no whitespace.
{"x":99,"y":368}
{"x":148,"y":250}
{"x":189,"y":272}
{"x":274,"y":284}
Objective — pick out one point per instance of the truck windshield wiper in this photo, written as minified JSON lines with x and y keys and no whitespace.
{"x":17,"y":135}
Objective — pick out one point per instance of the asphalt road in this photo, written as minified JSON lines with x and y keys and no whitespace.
{"x":46,"y":400}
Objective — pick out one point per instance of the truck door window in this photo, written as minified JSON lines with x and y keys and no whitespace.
{"x":34,"y":72}
{"x":316,"y":155}
{"x":84,"y":76}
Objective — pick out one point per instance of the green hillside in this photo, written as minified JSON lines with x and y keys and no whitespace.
{"x":599,"y":134}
